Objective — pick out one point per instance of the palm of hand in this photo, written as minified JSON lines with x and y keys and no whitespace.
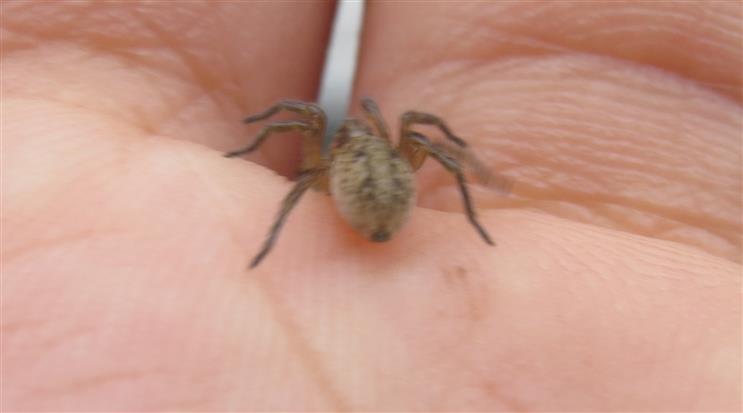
{"x":125,"y":242}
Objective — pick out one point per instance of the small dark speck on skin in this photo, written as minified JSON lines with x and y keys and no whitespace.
{"x":473,"y":295}
{"x":359,"y":155}
{"x":457,"y":274}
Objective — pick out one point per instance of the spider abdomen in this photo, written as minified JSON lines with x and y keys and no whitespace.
{"x":373,"y":186}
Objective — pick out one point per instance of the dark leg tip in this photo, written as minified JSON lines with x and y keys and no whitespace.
{"x":487,"y":238}
{"x":241,"y":152}
{"x":459,"y":141}
{"x":368,"y":103}
{"x":257,"y":260}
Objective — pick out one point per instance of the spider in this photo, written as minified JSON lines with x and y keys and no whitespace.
{"x":371,"y":181}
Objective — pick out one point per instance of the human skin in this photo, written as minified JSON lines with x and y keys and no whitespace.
{"x":614,"y":285}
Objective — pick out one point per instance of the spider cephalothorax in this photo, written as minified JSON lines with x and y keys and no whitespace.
{"x":371,"y":180}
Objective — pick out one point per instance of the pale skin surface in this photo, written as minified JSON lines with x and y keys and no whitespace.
{"x":615,"y":284}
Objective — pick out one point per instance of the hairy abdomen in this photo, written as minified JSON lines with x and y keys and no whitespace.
{"x":372,"y":185}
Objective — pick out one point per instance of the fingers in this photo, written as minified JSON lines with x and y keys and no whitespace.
{"x":696,"y":40}
{"x":620,"y":115}
{"x":189,"y":71}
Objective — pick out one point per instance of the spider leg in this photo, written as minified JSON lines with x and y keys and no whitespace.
{"x":500,"y":183}
{"x":283,"y":126}
{"x":305,"y":181}
{"x":302,"y":108}
{"x":313,"y":125}
{"x":371,"y":110}
{"x":452,"y":165}
{"x":412,"y":117}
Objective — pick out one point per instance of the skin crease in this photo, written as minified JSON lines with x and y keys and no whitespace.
{"x":125,"y":234}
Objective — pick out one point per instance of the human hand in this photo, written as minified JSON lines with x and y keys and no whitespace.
{"x":615,"y":284}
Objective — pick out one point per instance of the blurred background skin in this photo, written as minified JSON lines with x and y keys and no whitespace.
{"x":615,"y":284}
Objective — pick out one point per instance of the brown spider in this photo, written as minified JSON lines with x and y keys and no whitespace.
{"x":371,"y":181}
